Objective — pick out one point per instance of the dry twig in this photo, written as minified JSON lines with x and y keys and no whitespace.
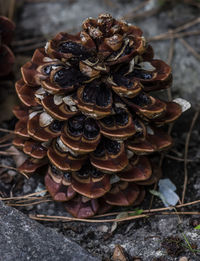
{"x":190,"y":48}
{"x":6,"y":130}
{"x":174,"y":33}
{"x":186,"y":153}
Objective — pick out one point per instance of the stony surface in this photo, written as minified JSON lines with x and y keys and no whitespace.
{"x":23,"y":239}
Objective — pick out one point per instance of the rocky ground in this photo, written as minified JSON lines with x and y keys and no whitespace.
{"x":159,"y":237}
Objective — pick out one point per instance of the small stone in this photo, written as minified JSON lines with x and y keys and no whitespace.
{"x":103,"y":228}
{"x":183,"y":258}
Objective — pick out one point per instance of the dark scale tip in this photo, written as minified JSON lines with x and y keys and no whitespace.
{"x":56,"y":126}
{"x":141,"y":100}
{"x":75,"y":49}
{"x":91,"y":129}
{"x":56,"y":171}
{"x":89,"y":171}
{"x":108,"y":121}
{"x":98,"y":94}
{"x":60,"y":173}
{"x":84,"y":172}
{"x":76,"y":125}
{"x":68,"y":77}
{"x":100,"y":150}
{"x":96,"y":173}
{"x":67,"y":175}
{"x":138,"y":127}
{"x":112,"y":146}
{"x":122,"y":80}
{"x":141,"y":74}
{"x":121,"y":116}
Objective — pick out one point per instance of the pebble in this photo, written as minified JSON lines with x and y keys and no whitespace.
{"x":183,"y":258}
{"x":103,"y":228}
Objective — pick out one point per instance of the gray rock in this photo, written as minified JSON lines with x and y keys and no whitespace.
{"x":23,"y":239}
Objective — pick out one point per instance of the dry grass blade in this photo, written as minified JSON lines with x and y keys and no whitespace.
{"x":174,"y":35}
{"x":67,"y":219}
{"x":5,"y":145}
{"x":25,"y":200}
{"x":187,"y":25}
{"x":6,"y":138}
{"x":5,"y":153}
{"x":6,"y":130}
{"x":25,"y":196}
{"x":63,"y":218}
{"x":28,"y":204}
{"x":179,"y":159}
{"x":153,"y":210}
{"x":9,"y":167}
{"x":186,"y":154}
{"x":190,"y":48}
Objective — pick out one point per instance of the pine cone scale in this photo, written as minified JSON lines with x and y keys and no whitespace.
{"x":88,"y":114}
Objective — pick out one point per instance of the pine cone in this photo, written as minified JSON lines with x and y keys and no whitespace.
{"x":87,"y":114}
{"x":6,"y":56}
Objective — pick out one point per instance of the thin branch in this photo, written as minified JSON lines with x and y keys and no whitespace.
{"x":190,"y":48}
{"x":8,"y":153}
{"x":25,"y":196}
{"x":28,"y":204}
{"x":6,"y":138}
{"x":5,"y":145}
{"x":152,"y":210}
{"x":176,"y":30}
{"x":187,"y":25}
{"x":186,"y":154}
{"x":179,"y":159}
{"x":167,"y":35}
{"x":6,"y":130}
{"x":65,"y":219}
{"x":9,"y":167}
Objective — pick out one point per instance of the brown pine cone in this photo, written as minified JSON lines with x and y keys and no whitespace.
{"x":88,"y":115}
{"x":7,"y":58}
